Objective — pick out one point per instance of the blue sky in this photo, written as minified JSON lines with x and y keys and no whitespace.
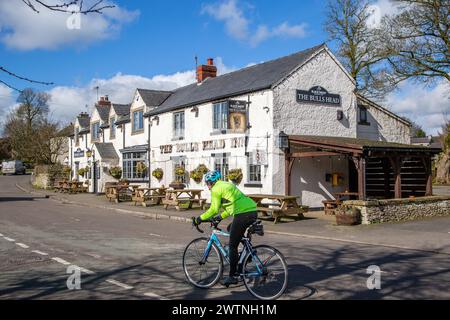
{"x":153,"y":43}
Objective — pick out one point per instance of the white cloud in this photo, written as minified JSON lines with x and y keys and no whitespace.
{"x":238,"y":25}
{"x":379,"y":9}
{"x":23,"y":29}
{"x":426,"y":106}
{"x":235,"y":22}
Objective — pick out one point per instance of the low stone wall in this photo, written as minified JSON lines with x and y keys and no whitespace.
{"x":380,"y":211}
{"x":41,"y":181}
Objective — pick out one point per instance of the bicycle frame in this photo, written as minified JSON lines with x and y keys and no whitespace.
{"x":247,"y":248}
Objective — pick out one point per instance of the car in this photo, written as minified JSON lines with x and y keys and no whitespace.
{"x":13,"y":167}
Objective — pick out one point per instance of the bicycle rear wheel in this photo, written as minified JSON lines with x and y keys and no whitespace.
{"x":265,"y":274}
{"x":202,"y":275}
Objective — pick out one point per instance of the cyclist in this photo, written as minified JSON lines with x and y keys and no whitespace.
{"x":236,"y":204}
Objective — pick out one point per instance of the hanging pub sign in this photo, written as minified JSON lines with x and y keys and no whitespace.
{"x":78,"y":153}
{"x":237,"y":115}
{"x":318,"y":95}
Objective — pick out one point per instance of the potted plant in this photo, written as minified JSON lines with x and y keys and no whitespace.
{"x":116,"y":172}
{"x":180,"y":171}
{"x":198,"y":173}
{"x":347,"y":216}
{"x":67,"y":171}
{"x":235,"y":176}
{"x":158,"y":174}
{"x":141,"y":169}
{"x":82,"y":171}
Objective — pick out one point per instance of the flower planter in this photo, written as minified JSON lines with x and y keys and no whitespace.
{"x":349,"y":217}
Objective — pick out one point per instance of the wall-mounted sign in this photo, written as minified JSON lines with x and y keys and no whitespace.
{"x":166,"y":149}
{"x":237,"y":114}
{"x":318,"y":95}
{"x":237,"y":143}
{"x":78,"y":153}
{"x":214,"y":144}
{"x":187,"y":147}
{"x":259,"y":157}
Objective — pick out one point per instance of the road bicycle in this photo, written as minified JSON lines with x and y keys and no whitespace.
{"x":262,"y":268}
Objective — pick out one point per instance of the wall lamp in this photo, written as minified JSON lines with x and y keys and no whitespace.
{"x":267,"y":109}
{"x":195,"y":109}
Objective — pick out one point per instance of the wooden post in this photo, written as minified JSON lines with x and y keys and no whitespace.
{"x":360,"y":164}
{"x":387,"y":182}
{"x":397,"y":167}
{"x":288,"y":164}
{"x":429,"y":173}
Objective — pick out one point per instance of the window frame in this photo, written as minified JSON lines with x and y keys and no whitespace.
{"x":129,"y":163}
{"x":363,"y":110}
{"x":112,"y":127}
{"x":140,"y":113}
{"x":222,"y":118}
{"x":95,"y":135}
{"x":224,"y":164}
{"x":178,"y":133}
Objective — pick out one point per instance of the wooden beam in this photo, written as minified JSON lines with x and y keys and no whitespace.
{"x":360,"y":164}
{"x":288,"y":164}
{"x":310,"y":154}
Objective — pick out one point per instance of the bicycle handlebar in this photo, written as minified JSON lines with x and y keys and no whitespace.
{"x":214,"y":224}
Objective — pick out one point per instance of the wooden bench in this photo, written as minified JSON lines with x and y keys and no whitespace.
{"x":330,"y":206}
{"x":277,"y":213}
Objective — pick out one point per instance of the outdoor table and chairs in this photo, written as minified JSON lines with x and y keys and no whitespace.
{"x":120,"y":192}
{"x":183,"y":196}
{"x":155,"y":195}
{"x":280,"y":206}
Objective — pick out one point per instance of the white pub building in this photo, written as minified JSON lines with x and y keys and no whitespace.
{"x":294,"y":125}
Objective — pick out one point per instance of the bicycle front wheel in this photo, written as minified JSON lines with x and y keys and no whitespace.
{"x":265,"y":273}
{"x":201,"y":274}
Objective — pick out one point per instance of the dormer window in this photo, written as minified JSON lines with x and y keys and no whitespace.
{"x":138,"y":121}
{"x":95,"y":131}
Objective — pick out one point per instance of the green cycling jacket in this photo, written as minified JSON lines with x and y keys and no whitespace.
{"x":227,"y":195}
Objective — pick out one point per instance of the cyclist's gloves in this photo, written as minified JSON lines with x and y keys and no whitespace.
{"x":196,"y":221}
{"x":218,"y":218}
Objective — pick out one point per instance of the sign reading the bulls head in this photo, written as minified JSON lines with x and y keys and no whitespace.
{"x":318,"y":95}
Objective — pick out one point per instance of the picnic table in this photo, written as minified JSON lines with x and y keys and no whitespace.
{"x":182,"y":196}
{"x":120,"y":192}
{"x":76,"y":187}
{"x":280,"y":206}
{"x":156,"y":195}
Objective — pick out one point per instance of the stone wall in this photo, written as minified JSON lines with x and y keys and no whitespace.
{"x":380,"y":211}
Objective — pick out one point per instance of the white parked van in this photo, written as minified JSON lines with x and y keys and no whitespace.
{"x":13,"y":167}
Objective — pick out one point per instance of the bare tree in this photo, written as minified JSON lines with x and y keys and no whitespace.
{"x":418,"y":40}
{"x":358,"y":47}
{"x":68,"y":7}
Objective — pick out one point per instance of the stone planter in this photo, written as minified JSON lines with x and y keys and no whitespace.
{"x":348,"y":217}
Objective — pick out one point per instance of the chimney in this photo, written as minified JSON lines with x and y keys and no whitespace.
{"x":206,"y":71}
{"x":104,"y":102}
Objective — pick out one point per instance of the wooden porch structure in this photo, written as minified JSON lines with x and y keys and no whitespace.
{"x":385,"y":170}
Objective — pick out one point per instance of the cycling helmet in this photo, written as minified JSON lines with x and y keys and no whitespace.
{"x":212,"y":176}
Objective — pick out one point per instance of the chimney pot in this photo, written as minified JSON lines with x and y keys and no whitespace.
{"x":210,"y":61}
{"x":206,"y":71}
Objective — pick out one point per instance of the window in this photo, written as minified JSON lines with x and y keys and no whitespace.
{"x":112,"y":128}
{"x":179,"y":162}
{"x":221,"y":164}
{"x":138,"y":120}
{"x":95,"y":131}
{"x":363,"y":115}
{"x":220,"y":116}
{"x":129,"y":164}
{"x":77,"y":141}
{"x":254,"y":173}
{"x":178,"y":124}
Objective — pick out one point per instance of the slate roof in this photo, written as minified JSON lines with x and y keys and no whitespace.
{"x":258,"y":77}
{"x":68,"y":131}
{"x":122,"y":111}
{"x":154,"y":98}
{"x":103,"y":112}
{"x":106,"y":150}
{"x":421,"y":140}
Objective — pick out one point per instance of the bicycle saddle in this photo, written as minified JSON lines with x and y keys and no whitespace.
{"x":256,"y":228}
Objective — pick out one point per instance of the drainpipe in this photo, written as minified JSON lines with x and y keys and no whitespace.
{"x":149,"y":153}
